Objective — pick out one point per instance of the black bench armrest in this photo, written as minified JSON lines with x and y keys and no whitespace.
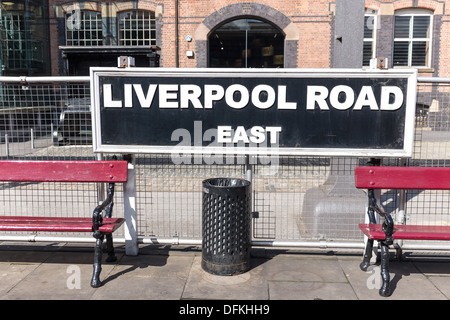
{"x":107,"y":204}
{"x":388,"y":224}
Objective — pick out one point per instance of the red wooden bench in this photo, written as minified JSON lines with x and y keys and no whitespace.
{"x":376,"y":177}
{"x":69,"y":171}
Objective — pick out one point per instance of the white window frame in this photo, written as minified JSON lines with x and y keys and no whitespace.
{"x":76,"y":31}
{"x":126,"y":28}
{"x":375,"y":25}
{"x":414,"y":13}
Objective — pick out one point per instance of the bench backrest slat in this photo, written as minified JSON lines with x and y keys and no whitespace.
{"x":63,"y":171}
{"x":402,"y":178}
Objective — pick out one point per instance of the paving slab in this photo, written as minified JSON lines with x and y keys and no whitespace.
{"x":407,"y":282}
{"x":442,"y":284}
{"x":141,"y":288}
{"x":304,"y":268}
{"x":63,"y":276}
{"x":12,"y":273}
{"x":303,"y":290}
{"x":151,"y":277}
{"x":303,"y":277}
{"x":249,"y":285}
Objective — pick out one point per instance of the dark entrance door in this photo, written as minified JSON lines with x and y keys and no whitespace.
{"x":246,"y":43}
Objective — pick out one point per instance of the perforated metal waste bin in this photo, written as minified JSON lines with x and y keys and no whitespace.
{"x":226,"y":226}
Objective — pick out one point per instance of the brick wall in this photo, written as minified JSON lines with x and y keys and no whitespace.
{"x":307,"y":25}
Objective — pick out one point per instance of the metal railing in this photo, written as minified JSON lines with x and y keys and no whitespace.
{"x":294,"y":198}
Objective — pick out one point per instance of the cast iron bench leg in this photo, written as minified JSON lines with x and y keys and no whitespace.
{"x":110,"y":248}
{"x":95,"y":282}
{"x":385,"y":290}
{"x":398,"y":252}
{"x":109,"y":239}
{"x":367,"y":256}
{"x":388,"y":228}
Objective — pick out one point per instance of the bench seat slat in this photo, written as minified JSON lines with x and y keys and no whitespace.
{"x":407,"y":232}
{"x":56,"y":224}
{"x":432,"y":178}
{"x":63,"y":171}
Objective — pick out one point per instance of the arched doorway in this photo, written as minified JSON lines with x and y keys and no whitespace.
{"x":246,"y":43}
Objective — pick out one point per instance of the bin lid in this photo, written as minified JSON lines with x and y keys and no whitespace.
{"x":226,"y":182}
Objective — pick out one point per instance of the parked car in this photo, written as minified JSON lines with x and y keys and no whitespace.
{"x":74,"y":126}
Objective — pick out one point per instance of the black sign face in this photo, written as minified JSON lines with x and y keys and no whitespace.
{"x":284,"y":111}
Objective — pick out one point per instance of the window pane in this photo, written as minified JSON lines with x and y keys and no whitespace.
{"x":401,"y":53}
{"x":367,"y":53}
{"x":419,"y":53}
{"x":421,"y":27}
{"x":402,"y":27}
{"x":369,"y":25}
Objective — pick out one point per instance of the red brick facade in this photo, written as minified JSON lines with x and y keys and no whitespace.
{"x":307,"y":26}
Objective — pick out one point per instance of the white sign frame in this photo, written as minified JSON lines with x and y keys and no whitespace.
{"x":410,"y":96}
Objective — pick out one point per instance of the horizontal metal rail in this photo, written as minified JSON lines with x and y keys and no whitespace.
{"x":25,"y":79}
{"x":196,"y":242}
{"x":433,"y":79}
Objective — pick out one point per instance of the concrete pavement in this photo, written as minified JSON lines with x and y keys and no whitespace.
{"x":62,"y":271}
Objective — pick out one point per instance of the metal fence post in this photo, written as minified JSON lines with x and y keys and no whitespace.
{"x":129,"y":207}
{"x":32,"y":138}
{"x":6,"y":144}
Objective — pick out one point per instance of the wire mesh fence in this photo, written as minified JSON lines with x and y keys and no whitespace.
{"x":294,"y":199}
